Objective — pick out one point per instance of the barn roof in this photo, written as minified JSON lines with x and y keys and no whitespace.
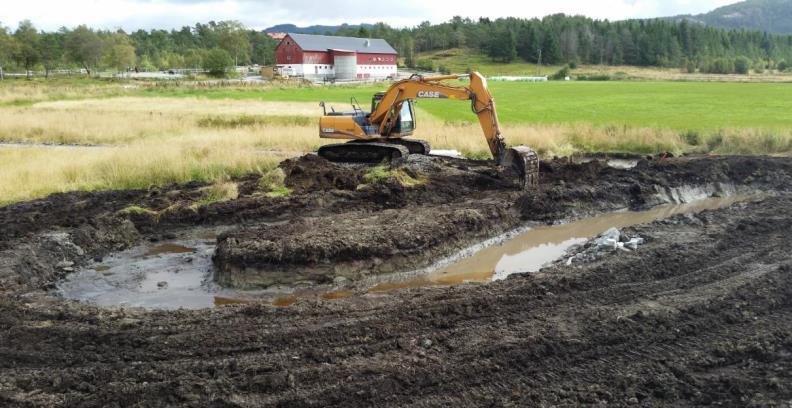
{"x":310,"y":42}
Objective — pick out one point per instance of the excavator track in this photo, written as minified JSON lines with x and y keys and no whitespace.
{"x":363,"y":152}
{"x":414,"y":145}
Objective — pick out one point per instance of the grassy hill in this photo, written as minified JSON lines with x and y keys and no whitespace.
{"x":774,"y":16}
{"x":458,"y":60}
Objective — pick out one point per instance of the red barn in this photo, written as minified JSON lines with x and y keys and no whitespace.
{"x":341,"y":58}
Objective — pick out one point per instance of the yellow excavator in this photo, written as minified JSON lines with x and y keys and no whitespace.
{"x":381,"y":133}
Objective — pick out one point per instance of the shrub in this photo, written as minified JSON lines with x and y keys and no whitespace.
{"x":594,"y":78}
{"x":425,"y":65}
{"x":217,"y":62}
{"x":742,"y":65}
{"x":573,"y":64}
{"x":688,"y":66}
{"x":719,"y":66}
{"x":782,"y":66}
{"x":444,"y":70}
{"x":561,"y":74}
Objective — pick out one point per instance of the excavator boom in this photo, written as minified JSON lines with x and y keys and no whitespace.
{"x":392,"y":118}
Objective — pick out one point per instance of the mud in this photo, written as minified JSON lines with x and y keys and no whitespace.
{"x":700,"y":315}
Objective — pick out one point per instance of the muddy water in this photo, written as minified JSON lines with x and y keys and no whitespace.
{"x":533,"y":249}
{"x":164,"y":276}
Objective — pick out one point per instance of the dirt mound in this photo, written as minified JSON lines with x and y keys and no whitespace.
{"x":352,"y":245}
{"x":313,"y":173}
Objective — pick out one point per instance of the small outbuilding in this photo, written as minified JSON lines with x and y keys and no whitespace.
{"x":319,"y":57}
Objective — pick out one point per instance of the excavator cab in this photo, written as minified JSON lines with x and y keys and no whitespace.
{"x":405,"y":120}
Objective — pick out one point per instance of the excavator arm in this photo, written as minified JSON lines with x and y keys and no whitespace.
{"x":482,"y":102}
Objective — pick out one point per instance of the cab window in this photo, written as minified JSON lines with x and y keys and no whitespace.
{"x":407,"y":118}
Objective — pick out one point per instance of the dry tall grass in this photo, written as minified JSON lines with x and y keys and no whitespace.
{"x":25,"y":92}
{"x":31,"y":172}
{"x":183,"y":106}
{"x":124,"y":120}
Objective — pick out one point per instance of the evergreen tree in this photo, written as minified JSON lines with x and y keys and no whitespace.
{"x":551,"y":51}
{"x":529,"y":43}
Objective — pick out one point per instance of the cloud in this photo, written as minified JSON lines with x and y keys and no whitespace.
{"x":147,"y":14}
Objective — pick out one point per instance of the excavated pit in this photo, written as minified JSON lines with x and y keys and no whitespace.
{"x":698,"y":315}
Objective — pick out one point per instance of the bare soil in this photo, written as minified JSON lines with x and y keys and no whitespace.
{"x":700,"y":315}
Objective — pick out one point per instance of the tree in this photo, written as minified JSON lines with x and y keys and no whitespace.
{"x":551,"y":51}
{"x":51,"y":51}
{"x":503,"y":46}
{"x":407,"y":50}
{"x":5,"y":50}
{"x":119,"y":52}
{"x":233,"y":38}
{"x":529,"y":43}
{"x":193,"y":58}
{"x":217,"y":62}
{"x":27,"y":50}
{"x":84,"y":47}
{"x":263,"y":48}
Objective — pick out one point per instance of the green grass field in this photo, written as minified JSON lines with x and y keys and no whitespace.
{"x":681,"y":106}
{"x":673,"y":105}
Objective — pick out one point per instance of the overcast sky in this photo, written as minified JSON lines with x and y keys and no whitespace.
{"x":147,"y":14}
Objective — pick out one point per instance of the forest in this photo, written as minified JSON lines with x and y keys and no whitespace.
{"x":553,"y":40}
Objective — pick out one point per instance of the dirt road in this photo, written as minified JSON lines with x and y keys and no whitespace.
{"x":701,"y":314}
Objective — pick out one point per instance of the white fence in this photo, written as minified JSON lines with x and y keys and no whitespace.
{"x":519,"y":78}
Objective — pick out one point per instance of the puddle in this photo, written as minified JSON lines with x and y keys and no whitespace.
{"x":623,"y":164}
{"x":285,"y":301}
{"x":170,"y":248}
{"x":616,"y":163}
{"x":531,"y":250}
{"x":164,"y":276}
{"x":455,"y":154}
{"x":172,"y":275}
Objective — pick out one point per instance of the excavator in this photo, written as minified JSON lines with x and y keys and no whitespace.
{"x":381,"y":134}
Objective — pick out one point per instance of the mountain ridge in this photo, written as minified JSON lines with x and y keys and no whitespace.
{"x":314,"y":29}
{"x":772,"y":16}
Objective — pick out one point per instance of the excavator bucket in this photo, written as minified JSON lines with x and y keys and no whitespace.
{"x":525,"y":162}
